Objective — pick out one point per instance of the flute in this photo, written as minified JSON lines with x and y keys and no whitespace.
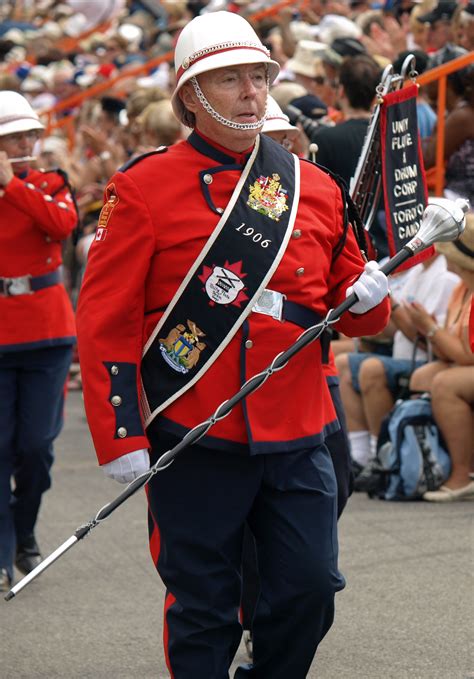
{"x":23,"y":159}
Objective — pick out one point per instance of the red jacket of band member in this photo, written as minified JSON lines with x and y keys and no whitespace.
{"x":158,"y":226}
{"x":36,"y":214}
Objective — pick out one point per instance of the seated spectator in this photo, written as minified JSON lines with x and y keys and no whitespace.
{"x":339,"y":147}
{"x":426,"y":117}
{"x":102,"y":150}
{"x":304,"y":110}
{"x":159,"y":126}
{"x":417,"y":37}
{"x":452,"y":399}
{"x":369,"y":382}
{"x":383,"y":35}
{"x":466,"y":27}
{"x":439,"y":19}
{"x":308,"y":69}
{"x":459,"y":128}
{"x":378,"y":344}
{"x":135,"y":105}
{"x":450,"y":377}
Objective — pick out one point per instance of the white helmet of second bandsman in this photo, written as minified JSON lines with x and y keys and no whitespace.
{"x":16,"y":114}
{"x":216,"y":40}
{"x":276,"y":120}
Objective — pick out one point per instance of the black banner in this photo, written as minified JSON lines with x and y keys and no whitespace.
{"x":403,"y":173}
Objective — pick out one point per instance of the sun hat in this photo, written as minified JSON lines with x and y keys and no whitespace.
{"x":461,"y":251}
{"x":307,"y":58}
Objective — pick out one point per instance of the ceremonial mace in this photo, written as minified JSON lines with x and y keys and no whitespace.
{"x":443,"y":220}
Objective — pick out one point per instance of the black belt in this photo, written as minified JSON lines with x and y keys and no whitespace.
{"x":297,"y":314}
{"x":27,"y":285}
{"x":305,"y":318}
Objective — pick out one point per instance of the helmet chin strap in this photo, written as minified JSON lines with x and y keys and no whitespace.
{"x":220,"y":119}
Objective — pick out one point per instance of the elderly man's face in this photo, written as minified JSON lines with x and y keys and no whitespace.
{"x":238,"y":93}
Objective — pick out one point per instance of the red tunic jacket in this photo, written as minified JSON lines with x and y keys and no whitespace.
{"x":36,"y":214}
{"x":164,"y":210}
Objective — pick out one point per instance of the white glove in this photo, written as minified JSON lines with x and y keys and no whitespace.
{"x":127,"y":467}
{"x":371,"y":288}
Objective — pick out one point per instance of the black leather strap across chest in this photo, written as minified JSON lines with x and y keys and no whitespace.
{"x":226,"y":279}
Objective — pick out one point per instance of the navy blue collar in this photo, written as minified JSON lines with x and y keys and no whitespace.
{"x":207,"y":149}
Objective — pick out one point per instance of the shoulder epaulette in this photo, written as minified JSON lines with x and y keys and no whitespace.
{"x":133,"y":161}
{"x":55,"y":170}
{"x":64,"y":176}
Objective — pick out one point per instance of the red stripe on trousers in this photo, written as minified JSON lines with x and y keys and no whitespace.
{"x":169,"y":601}
{"x":155,"y":544}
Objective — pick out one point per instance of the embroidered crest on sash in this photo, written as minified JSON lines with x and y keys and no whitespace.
{"x":224,"y":284}
{"x":182,"y":348}
{"x":268,"y":197}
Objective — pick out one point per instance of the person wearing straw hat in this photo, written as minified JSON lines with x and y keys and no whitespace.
{"x":202,"y":251}
{"x":36,"y":333}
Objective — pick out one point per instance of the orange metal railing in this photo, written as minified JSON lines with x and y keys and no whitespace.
{"x":440,"y":73}
{"x":274,"y":9}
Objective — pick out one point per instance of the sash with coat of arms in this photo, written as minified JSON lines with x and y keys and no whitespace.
{"x":226,"y":280}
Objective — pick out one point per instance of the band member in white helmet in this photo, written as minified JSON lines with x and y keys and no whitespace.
{"x":36,"y":330}
{"x":210,"y":258}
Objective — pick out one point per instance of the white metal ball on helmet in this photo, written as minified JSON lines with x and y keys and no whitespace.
{"x":16,"y":114}
{"x":216,"y":40}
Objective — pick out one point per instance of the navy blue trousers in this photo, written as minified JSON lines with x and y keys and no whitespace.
{"x":339,"y":449}
{"x":31,"y":417}
{"x":198,"y":508}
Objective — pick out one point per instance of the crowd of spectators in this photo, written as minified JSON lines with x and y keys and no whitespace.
{"x":332,"y":55}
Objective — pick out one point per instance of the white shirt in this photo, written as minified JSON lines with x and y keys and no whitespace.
{"x":430,"y":286}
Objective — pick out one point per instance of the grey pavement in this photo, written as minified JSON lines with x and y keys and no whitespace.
{"x":406,"y":613}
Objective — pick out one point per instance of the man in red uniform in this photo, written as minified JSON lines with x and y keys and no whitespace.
{"x":210,"y":258}
{"x":36,"y":332}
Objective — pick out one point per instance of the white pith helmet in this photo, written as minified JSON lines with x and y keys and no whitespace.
{"x":276,"y":120}
{"x":16,"y":114}
{"x":216,"y":40}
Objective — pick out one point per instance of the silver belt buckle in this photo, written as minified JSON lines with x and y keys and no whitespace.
{"x":21,"y":285}
{"x":270,"y":303}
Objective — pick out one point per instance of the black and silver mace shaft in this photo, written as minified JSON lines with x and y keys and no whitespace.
{"x":443,"y":220}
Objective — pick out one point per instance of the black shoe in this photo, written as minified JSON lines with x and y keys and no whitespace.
{"x":372,"y":480}
{"x":356,"y":468}
{"x":5,"y":580}
{"x":28,"y":555}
